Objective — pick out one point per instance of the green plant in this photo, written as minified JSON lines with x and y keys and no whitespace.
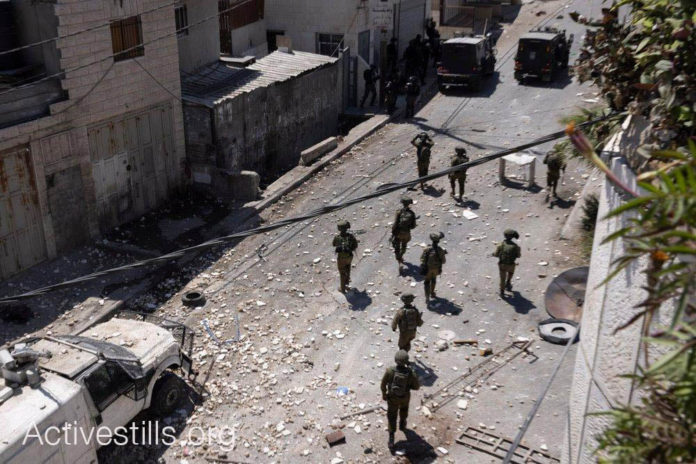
{"x":590,"y":209}
{"x":647,"y":67}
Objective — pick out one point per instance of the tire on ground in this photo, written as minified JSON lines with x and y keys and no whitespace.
{"x":558,"y":330}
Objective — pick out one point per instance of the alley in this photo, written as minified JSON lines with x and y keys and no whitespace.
{"x":280,"y":385}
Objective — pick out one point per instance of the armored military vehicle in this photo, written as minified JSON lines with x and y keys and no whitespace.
{"x":542,"y":52}
{"x":466,"y":61}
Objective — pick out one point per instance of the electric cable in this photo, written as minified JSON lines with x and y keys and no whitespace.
{"x":380,"y":191}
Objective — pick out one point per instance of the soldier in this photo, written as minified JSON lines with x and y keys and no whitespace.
{"x":412,"y":92}
{"x":397,"y":383}
{"x":432,"y":259}
{"x":345,"y":244}
{"x":556,"y":163}
{"x":407,"y":320}
{"x":458,"y":176}
{"x":404,"y":222}
{"x":507,"y":252}
{"x":423,"y":144}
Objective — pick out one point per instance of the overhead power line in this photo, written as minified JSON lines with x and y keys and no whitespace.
{"x":380,"y":191}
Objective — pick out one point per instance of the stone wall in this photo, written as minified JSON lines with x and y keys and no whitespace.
{"x":100,"y":93}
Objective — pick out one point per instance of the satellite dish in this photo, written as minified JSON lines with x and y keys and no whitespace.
{"x":565,"y":295}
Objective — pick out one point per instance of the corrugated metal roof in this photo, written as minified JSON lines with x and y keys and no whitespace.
{"x":218,"y":82}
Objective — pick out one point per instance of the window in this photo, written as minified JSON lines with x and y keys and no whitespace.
{"x":328,"y":44}
{"x":106,"y":383}
{"x":127,"y":38}
{"x":364,"y":45}
{"x":181,"y":20}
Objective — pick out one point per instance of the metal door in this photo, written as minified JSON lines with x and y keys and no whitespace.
{"x":22,"y":242}
{"x":133,"y":165}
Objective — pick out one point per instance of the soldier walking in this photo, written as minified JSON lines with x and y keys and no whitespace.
{"x":412,"y":92}
{"x":507,"y":252}
{"x":397,"y":383}
{"x":432,"y":259}
{"x":404,"y":222}
{"x":423,"y":144}
{"x":556,"y":163}
{"x":460,"y":175}
{"x":345,"y":244}
{"x":407,"y":320}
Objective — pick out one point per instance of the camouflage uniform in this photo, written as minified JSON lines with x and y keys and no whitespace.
{"x":458,"y":176}
{"x":397,"y":383}
{"x":432,"y":259}
{"x":555,"y":162}
{"x":407,"y":320}
{"x":423,"y":144}
{"x":507,"y":252}
{"x":345,"y":244}
{"x":404,"y":222}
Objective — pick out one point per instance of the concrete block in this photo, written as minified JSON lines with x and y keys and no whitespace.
{"x":318,"y":150}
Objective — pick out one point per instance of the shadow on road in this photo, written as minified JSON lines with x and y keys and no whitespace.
{"x":521,"y":186}
{"x":520,"y":303}
{"x":358,"y":299}
{"x":561,"y":80}
{"x":415,"y":449}
{"x":442,"y":306}
{"x":412,"y":270}
{"x":471,"y":204}
{"x":425,"y":374}
{"x":433,"y":192}
{"x":561,"y":203}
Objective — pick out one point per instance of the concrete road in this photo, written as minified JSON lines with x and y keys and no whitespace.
{"x":301,"y":340}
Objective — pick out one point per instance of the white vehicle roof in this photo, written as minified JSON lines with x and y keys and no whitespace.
{"x":466,"y":40}
{"x":33,"y":407}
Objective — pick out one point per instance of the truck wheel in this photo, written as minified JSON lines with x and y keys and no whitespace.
{"x":167,"y":394}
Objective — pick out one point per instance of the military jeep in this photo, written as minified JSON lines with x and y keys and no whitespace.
{"x":541,"y":53}
{"x":465,"y":61}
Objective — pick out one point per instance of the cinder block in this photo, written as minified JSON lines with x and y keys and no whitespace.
{"x":318,"y":150}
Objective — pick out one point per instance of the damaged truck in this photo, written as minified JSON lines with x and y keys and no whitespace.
{"x":98,"y":380}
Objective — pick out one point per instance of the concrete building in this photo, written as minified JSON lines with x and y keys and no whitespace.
{"x":363,"y":27}
{"x":605,"y":356}
{"x":91,"y":128}
{"x":242,"y":28}
{"x":258,"y":118}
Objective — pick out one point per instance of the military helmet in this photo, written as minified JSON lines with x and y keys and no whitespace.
{"x":435,"y":237}
{"x":401,"y":357}
{"x":343,"y":225}
{"x":460,"y":150}
{"x":408,"y":297}
{"x":511,"y":233}
{"x":406,"y":200}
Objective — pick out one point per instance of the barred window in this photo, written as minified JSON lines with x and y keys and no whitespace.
{"x":181,"y":19}
{"x":327,"y":44}
{"x":127,"y":38}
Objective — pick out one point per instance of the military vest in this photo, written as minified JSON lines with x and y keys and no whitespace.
{"x":432,"y":259}
{"x":508,"y":253}
{"x":344,"y":244}
{"x":400,"y":382}
{"x":406,"y":219}
{"x":555,"y":163}
{"x":409,"y":320}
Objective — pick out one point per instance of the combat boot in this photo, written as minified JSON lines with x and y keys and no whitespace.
{"x":508,"y":286}
{"x":390,"y":443}
{"x":402,"y":425}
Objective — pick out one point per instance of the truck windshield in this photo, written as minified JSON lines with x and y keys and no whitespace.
{"x":459,"y":58}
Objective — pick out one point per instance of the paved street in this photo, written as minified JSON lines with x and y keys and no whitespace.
{"x":301,"y":339}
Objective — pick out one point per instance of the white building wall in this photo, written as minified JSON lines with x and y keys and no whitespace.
{"x":603,"y":355}
{"x":250,"y":40}
{"x":202,"y":44}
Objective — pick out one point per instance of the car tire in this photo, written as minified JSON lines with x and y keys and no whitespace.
{"x":193,"y":298}
{"x":558,"y":331}
{"x":166,"y":395}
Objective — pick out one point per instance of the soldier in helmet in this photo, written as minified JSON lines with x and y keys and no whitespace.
{"x":412,"y":91}
{"x":432,"y":259}
{"x":423,"y":144}
{"x":459,"y":157}
{"x":345,"y":244}
{"x":397,"y":383}
{"x":404,"y":222}
{"x":507,"y":252}
{"x":555,"y":163}
{"x":407,"y":320}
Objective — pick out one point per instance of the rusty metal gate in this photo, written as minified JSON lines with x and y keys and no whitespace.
{"x":22,"y":242}
{"x":133,"y":165}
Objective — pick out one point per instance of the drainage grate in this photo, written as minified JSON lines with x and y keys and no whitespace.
{"x":497,"y":446}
